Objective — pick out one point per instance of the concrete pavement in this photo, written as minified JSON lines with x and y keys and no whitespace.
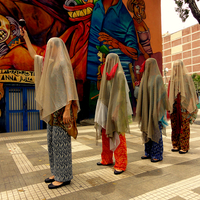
{"x":24,"y":165}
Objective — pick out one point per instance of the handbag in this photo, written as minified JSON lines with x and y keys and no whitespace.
{"x":70,"y":127}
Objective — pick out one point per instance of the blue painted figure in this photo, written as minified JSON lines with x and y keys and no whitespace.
{"x":111,"y":25}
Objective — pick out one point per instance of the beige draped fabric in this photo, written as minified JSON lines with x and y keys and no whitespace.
{"x":181,"y":82}
{"x":113,"y":110}
{"x":152,"y":101}
{"x":54,"y":82}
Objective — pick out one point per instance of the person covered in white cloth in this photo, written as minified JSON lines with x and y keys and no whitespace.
{"x":57,"y":99}
{"x":113,"y":114}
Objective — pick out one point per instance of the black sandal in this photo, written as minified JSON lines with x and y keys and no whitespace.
{"x":48,"y":180}
{"x":145,"y":157}
{"x":52,"y":186}
{"x":183,"y":152}
{"x":174,"y":150}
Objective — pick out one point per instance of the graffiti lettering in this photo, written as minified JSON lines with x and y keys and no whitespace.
{"x":8,"y":78}
{"x":16,"y":72}
{"x":26,"y":79}
{"x":17,"y":76}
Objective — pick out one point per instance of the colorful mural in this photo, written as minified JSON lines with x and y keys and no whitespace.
{"x":137,"y":8}
{"x":90,"y":29}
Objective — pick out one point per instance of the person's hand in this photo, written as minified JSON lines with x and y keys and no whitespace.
{"x":114,"y":44}
{"x":66,"y":116}
{"x":23,"y":32}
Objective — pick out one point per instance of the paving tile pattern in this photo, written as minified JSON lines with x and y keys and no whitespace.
{"x":24,"y":165}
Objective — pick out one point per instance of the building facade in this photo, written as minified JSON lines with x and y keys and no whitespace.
{"x":184,"y":45}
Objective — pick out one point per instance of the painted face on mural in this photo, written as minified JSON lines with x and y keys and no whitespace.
{"x":77,"y":2}
{"x":87,"y":1}
{"x":79,"y":10}
{"x":4,"y":29}
{"x":139,"y":12}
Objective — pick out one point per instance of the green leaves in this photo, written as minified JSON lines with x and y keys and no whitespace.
{"x":183,"y":12}
{"x":196,"y":79}
{"x":185,"y":6}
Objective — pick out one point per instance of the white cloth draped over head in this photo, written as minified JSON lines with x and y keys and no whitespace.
{"x":152,"y":101}
{"x":181,"y":82}
{"x":113,"y":110}
{"x":54,"y":79}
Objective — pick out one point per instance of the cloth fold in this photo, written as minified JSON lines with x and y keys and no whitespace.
{"x":181,"y":83}
{"x":112,"y":72}
{"x":54,"y":82}
{"x":114,"y":142}
{"x":152,"y":101}
{"x":113,"y":110}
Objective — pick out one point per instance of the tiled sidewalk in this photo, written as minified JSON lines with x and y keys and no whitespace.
{"x":24,"y":166}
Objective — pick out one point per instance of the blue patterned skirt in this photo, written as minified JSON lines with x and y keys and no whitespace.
{"x":60,"y":157}
{"x":153,"y":149}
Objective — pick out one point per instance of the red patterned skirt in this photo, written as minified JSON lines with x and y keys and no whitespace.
{"x":120,"y":152}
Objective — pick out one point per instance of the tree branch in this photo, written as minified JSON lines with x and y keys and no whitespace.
{"x":194,"y":9}
{"x":184,"y":12}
